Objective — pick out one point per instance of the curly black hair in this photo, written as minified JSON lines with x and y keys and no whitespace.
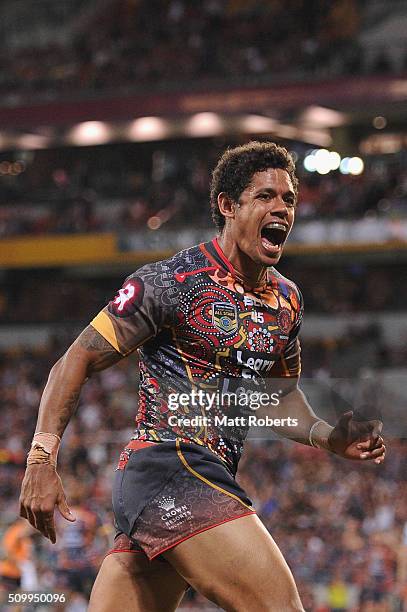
{"x":236,"y":167}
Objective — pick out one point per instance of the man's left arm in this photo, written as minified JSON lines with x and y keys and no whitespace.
{"x":349,"y":438}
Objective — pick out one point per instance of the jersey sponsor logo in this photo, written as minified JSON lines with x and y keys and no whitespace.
{"x":258,"y":363}
{"x":252,"y":301}
{"x":167,"y":503}
{"x":173,"y":515}
{"x":224,"y":317}
{"x":128,"y":299}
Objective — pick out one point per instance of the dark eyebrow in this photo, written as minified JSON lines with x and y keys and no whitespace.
{"x":270,"y":190}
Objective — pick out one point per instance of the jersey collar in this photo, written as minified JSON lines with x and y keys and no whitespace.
{"x":214,"y":252}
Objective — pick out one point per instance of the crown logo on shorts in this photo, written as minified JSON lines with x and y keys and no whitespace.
{"x":167,"y":503}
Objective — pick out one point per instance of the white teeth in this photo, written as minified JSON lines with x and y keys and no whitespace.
{"x":276,"y":225}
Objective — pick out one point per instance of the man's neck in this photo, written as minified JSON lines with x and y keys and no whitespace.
{"x":248,"y":270}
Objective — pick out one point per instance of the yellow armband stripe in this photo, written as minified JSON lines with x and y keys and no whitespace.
{"x":104,"y":326}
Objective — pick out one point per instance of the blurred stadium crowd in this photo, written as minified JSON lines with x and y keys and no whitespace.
{"x":342,"y":528}
{"x":148,"y":43}
{"x":119,"y":188}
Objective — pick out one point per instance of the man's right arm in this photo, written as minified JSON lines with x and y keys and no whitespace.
{"x":42,"y":489}
{"x":88,"y":354}
{"x":136,"y":313}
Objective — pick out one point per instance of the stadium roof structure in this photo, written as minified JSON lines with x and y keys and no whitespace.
{"x":311,"y":112}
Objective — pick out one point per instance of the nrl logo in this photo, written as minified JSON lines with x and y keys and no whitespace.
{"x":167,"y":503}
{"x":224,"y":317}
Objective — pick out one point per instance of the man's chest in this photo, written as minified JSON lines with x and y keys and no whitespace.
{"x":231,"y":330}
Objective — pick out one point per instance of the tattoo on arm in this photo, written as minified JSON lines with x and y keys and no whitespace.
{"x":105,"y":354}
{"x":91,"y":340}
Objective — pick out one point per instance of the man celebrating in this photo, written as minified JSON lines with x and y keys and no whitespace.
{"x":216,"y":318}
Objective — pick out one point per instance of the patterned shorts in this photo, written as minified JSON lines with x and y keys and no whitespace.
{"x":167,"y":492}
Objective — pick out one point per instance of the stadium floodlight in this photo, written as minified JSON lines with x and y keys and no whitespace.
{"x":29,"y":142}
{"x":257,"y":124}
{"x":322,"y":161}
{"x":90,"y":133}
{"x":309,"y":163}
{"x":356,"y":166}
{"x":335,"y":160}
{"x":344,"y":166}
{"x":148,"y":128}
{"x":204,"y":124}
{"x":323,"y":117}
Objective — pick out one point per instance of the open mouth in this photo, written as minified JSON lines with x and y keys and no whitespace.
{"x":273,"y":236}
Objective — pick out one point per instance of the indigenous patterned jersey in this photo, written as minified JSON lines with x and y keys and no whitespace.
{"x":202,"y":335}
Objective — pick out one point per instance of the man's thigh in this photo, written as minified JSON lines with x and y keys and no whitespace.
{"x":238,"y":566}
{"x":129,"y":581}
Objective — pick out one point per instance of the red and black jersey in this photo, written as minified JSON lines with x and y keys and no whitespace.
{"x":197,"y":327}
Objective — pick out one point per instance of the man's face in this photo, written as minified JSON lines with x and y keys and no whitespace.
{"x":264,"y":217}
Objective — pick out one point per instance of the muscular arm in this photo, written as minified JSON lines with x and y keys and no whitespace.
{"x":89,"y":353}
{"x":294,"y":405}
{"x":348,"y":438}
{"x":42,"y":489}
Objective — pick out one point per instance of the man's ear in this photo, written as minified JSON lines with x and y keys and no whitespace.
{"x":227,"y":206}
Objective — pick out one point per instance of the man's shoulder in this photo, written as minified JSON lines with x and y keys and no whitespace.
{"x":186,"y":260}
{"x":285,"y":284}
{"x":162,"y":281}
{"x":190,"y":258}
